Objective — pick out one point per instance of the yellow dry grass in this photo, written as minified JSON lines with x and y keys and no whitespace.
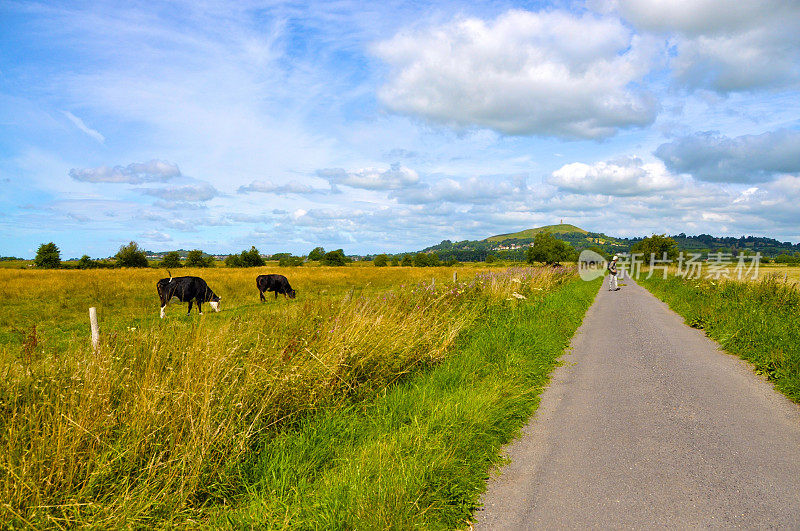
{"x":152,"y":425}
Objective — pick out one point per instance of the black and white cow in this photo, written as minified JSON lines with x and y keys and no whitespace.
{"x":186,"y":289}
{"x":276,"y":283}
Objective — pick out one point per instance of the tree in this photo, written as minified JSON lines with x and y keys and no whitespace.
{"x":334,"y":258}
{"x":316,"y":254}
{"x":48,"y":256}
{"x":490,"y":258}
{"x":171,"y":260}
{"x":395,"y":261}
{"x":657,"y":244}
{"x":86,"y":263}
{"x":433,"y":260}
{"x":381,"y":260}
{"x":233,"y":260}
{"x":131,"y":256}
{"x":196,"y":258}
{"x":407,"y":260}
{"x":252,"y":258}
{"x":290,"y":261}
{"x":549,"y":249}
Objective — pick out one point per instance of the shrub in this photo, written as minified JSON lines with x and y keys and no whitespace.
{"x":290,"y":261}
{"x":252,"y":258}
{"x":48,"y":256}
{"x":407,"y":260}
{"x":131,"y":256}
{"x":233,"y":260}
{"x":490,"y":258}
{"x":657,"y":245}
{"x":381,"y":260}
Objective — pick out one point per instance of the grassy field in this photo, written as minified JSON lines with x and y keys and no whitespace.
{"x":155,"y":427}
{"x":756,"y":320}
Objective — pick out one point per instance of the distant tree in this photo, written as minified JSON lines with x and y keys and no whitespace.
{"x":290,"y":261}
{"x":490,"y":258}
{"x":48,"y":256}
{"x":197,"y":258}
{"x":549,"y":249}
{"x":334,"y":258}
{"x":657,"y":244}
{"x":395,"y":261}
{"x":131,"y":256}
{"x":233,"y":260}
{"x":451,"y":262}
{"x":316,"y":254}
{"x":433,"y":260}
{"x":86,"y":263}
{"x":420,"y":260}
{"x":252,"y":258}
{"x":407,"y":260}
{"x":171,"y":260}
{"x":381,"y":260}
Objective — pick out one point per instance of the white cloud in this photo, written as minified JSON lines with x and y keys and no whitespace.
{"x":524,"y":73}
{"x":85,"y":128}
{"x":269,"y":187}
{"x":394,"y":178}
{"x":473,"y":190}
{"x":156,"y":236}
{"x":136,"y":173}
{"x":726,"y":46}
{"x":745,"y":159}
{"x":626,"y":177}
{"x":192,"y":193}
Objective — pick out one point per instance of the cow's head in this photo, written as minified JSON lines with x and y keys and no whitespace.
{"x":214,"y":302}
{"x":292,"y":293}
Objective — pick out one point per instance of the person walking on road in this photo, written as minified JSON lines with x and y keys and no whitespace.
{"x":612,"y":274}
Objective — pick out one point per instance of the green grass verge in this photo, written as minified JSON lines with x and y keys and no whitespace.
{"x":417,"y":455}
{"x":757,"y":321}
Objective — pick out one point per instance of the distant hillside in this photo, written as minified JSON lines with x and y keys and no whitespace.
{"x":513,"y":246}
{"x":562,"y":228}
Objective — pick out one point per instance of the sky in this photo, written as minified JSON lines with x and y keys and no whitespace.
{"x":390,"y":126}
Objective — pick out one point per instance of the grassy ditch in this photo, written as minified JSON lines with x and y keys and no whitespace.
{"x":757,"y":321}
{"x":158,"y":426}
{"x":418,"y":455}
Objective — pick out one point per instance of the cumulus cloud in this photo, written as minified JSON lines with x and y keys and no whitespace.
{"x":726,"y":46}
{"x":136,"y":173}
{"x":269,"y":187}
{"x":85,"y":128}
{"x":524,"y":73}
{"x":626,"y":177}
{"x":192,"y":193}
{"x":745,"y":159}
{"x":394,"y":178}
{"x":156,"y":236}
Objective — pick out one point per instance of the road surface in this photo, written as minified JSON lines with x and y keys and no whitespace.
{"x":649,"y":423}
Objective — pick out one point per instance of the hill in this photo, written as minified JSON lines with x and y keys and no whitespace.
{"x":561,"y":228}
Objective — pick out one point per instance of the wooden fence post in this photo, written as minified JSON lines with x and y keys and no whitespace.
{"x":455,"y":277}
{"x":95,"y":328}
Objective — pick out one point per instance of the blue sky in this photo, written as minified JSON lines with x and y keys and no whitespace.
{"x":393,"y":125}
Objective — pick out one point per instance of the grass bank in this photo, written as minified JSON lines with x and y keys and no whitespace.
{"x":757,"y":321}
{"x":153,"y":428}
{"x":418,"y":455}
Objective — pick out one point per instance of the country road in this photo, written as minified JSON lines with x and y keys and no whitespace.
{"x":648,"y":423}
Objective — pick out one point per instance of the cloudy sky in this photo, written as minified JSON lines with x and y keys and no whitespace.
{"x":389,"y":126}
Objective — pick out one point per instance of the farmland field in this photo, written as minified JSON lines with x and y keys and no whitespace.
{"x":153,"y":427}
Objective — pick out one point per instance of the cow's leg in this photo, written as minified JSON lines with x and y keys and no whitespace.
{"x":276,"y":294}
{"x":261,"y":294}
{"x":190,"y":307}
{"x":164,"y":302}
{"x":199,"y":308}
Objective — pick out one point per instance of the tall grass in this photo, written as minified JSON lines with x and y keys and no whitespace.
{"x":757,"y":321}
{"x":151,"y":428}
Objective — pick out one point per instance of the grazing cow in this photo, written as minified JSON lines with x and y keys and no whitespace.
{"x":186,"y":289}
{"x":276,"y":283}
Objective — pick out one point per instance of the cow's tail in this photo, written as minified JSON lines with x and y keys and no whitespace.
{"x":170,"y":275}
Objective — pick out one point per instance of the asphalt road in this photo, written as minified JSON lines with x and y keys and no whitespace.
{"x":648,"y":423}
